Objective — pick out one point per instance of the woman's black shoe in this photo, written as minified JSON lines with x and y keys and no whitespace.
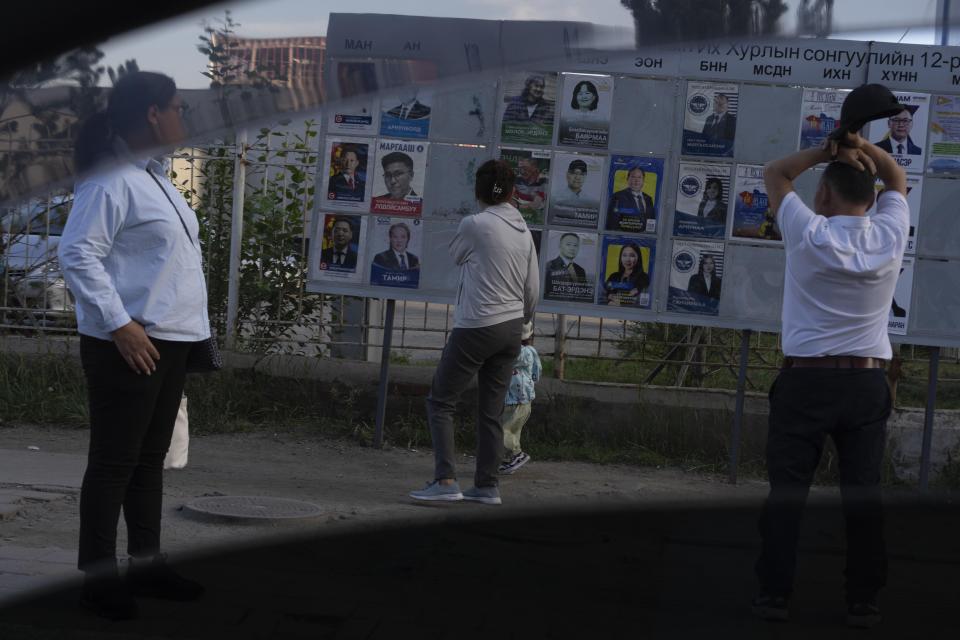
{"x":155,"y":579}
{"x":108,"y":598}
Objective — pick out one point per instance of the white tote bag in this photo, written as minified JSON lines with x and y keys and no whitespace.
{"x":177,"y":453}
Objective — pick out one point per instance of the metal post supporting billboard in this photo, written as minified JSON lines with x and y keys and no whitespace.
{"x":236,"y":238}
{"x":928,"y":418}
{"x":384,"y":385}
{"x":738,"y":412}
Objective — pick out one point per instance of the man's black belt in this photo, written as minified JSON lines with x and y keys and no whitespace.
{"x":834,"y":362}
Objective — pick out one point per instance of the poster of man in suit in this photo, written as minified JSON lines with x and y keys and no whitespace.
{"x":400,"y":171}
{"x":633,"y":193}
{"x":397,"y":264}
{"x":406,"y":113}
{"x":341,"y":248}
{"x":903,"y":293}
{"x":710,"y":119}
{"x":571,"y":274}
{"x":347,"y":172}
{"x":529,"y":108}
{"x":904,"y":135}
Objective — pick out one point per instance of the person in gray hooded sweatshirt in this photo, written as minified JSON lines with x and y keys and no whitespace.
{"x":498,"y":292}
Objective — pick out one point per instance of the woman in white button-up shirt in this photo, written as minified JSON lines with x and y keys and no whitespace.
{"x":130,"y":254}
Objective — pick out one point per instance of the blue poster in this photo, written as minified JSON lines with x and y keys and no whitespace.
{"x":406,"y":115}
{"x":702,"y":200}
{"x":399,"y":241}
{"x":696,"y":277}
{"x":710,"y":121}
{"x":633,"y":193}
{"x":819,"y":116}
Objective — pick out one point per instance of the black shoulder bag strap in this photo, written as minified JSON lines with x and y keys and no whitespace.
{"x":172,"y":204}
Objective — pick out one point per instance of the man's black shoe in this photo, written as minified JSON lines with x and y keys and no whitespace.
{"x":155,"y":579}
{"x":107,"y":597}
{"x":863,"y":615}
{"x":769,"y":607}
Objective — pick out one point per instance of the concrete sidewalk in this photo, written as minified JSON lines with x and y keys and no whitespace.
{"x":27,"y":478}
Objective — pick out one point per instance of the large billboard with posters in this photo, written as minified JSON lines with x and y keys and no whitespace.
{"x":633,"y":226}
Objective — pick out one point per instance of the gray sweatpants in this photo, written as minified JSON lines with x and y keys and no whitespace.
{"x":488,"y":353}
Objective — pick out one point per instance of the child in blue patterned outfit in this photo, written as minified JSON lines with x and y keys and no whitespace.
{"x":520,"y":395}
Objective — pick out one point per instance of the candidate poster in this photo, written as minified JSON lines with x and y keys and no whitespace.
{"x":347,"y":174}
{"x":532,"y":188}
{"x":633,"y":193}
{"x":710,"y":119}
{"x":405,"y":113}
{"x":703,"y":191}
{"x":585,"y":105}
{"x":904,"y":135}
{"x":570,"y":274}
{"x":944,"y":135}
{"x":342,"y":240}
{"x":348,"y":114}
{"x":529,"y":108}
{"x":914,"y":197}
{"x":399,"y":176}
{"x":752,"y":216}
{"x":576,"y":189}
{"x":819,"y":115}
{"x":902,"y":294}
{"x":626,"y":271}
{"x":396,"y":245}
{"x":696,"y":277}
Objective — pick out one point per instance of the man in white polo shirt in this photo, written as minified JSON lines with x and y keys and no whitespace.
{"x":841,"y":270}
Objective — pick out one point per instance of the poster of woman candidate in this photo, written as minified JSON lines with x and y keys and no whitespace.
{"x":533,"y":182}
{"x":819,"y":115}
{"x":900,"y":307}
{"x":347,"y":174}
{"x":398,"y":243}
{"x":398,"y":175}
{"x":696,"y":277}
{"x":944,"y":135}
{"x":914,"y":197}
{"x":633,"y":193}
{"x":710,"y":120}
{"x":570,"y":274}
{"x":703,"y":191}
{"x":576,"y":189}
{"x":904,"y":135}
{"x":585,"y":104}
{"x":752,"y":216}
{"x":626,"y":271}
{"x":341,"y":241}
{"x":529,"y":108}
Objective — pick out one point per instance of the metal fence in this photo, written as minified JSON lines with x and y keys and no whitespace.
{"x":259,"y":302}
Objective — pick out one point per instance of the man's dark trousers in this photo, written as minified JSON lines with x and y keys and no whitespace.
{"x":807,"y":404}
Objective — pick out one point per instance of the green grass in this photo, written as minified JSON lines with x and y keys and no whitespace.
{"x":50,"y":390}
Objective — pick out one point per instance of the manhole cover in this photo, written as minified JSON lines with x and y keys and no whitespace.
{"x":260,"y":507}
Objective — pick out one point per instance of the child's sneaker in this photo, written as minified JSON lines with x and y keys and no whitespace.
{"x":510,"y":466}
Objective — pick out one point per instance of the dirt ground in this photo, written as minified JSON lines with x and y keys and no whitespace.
{"x":355,"y":486}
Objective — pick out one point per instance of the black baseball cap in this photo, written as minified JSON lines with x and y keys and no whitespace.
{"x":579,"y":164}
{"x":865,"y":103}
